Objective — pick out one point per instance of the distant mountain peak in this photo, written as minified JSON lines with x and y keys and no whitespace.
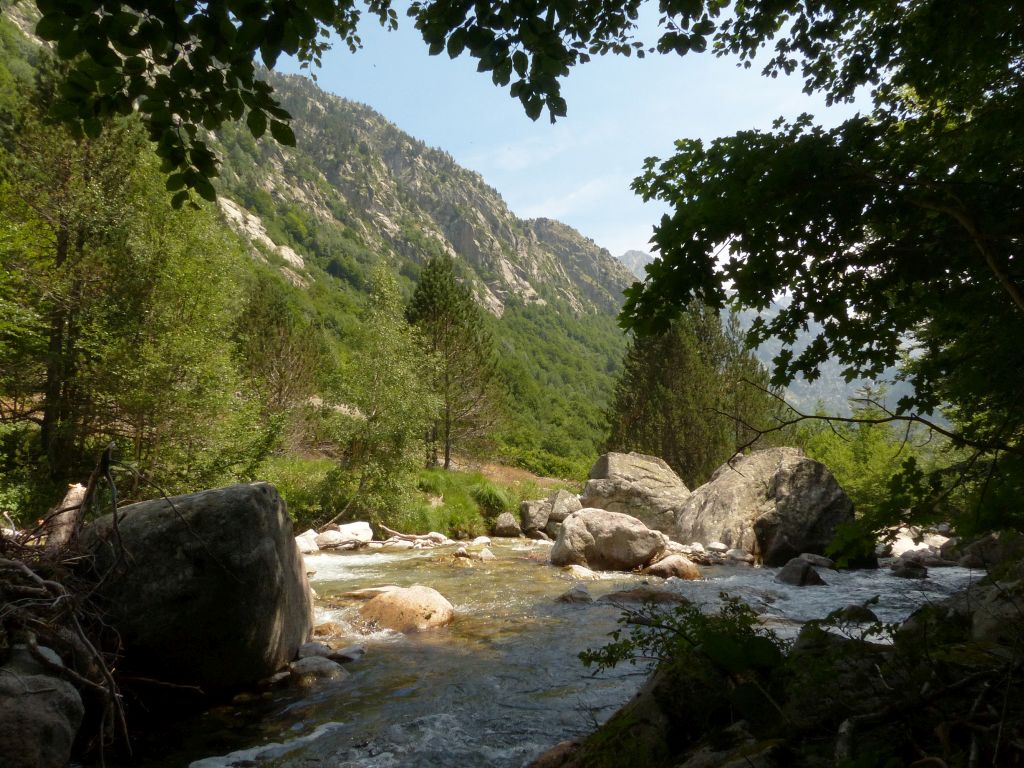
{"x":635,"y":261}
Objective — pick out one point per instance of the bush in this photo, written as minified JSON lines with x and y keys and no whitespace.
{"x":304,"y":486}
{"x":491,"y":499}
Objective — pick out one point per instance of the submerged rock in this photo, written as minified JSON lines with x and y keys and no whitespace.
{"x":645,"y":593}
{"x":313,"y":669}
{"x":774,"y":504}
{"x":909,"y":569}
{"x":606,"y":540}
{"x":578,"y":593}
{"x":209,"y":592}
{"x":679,"y":566}
{"x":408,"y":609}
{"x":580,"y":572}
{"x":641,"y":486}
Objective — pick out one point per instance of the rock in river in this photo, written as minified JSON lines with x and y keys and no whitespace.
{"x":799,"y":573}
{"x":506,"y":526}
{"x":679,"y":566}
{"x":408,"y":609}
{"x":775,"y":503}
{"x":644,"y":487}
{"x":210,"y":589}
{"x":608,"y":541}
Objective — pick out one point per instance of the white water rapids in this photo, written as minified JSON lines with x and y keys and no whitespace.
{"x":502,"y":683}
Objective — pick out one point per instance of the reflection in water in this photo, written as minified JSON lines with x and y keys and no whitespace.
{"x":502,"y":683}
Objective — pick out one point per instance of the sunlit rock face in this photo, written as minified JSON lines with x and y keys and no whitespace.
{"x":644,"y":487}
{"x":207,"y":589}
{"x":775,"y":504}
{"x":606,"y":541}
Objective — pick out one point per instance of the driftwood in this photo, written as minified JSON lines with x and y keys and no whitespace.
{"x":65,"y":519}
{"x":402,"y":536}
{"x":414,"y":537}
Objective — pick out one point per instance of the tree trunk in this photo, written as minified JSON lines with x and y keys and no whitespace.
{"x":50,"y":430}
{"x":64,"y":521}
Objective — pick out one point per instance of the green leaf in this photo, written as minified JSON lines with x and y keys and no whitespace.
{"x":257,"y":122}
{"x":175,"y":181}
{"x":205,"y":189}
{"x":53,"y":26}
{"x":282,"y":133}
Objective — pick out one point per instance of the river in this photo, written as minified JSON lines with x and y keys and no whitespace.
{"x":503,"y":682}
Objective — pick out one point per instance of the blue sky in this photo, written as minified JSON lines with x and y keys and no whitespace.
{"x":579,"y":169}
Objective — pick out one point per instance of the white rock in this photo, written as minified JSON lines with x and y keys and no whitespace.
{"x":359,"y":531}
{"x":480,"y":541}
{"x":486,"y":554}
{"x":717,"y":546}
{"x":306,"y":542}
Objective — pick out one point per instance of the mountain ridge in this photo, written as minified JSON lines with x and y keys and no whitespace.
{"x":392,"y":194}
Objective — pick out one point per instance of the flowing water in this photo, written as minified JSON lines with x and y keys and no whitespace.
{"x":503,"y":682}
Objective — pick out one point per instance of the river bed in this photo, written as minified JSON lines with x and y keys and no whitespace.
{"x":503,"y":682}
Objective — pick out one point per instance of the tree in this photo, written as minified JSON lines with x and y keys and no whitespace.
{"x":462,"y":349}
{"x":900,"y":224}
{"x":692,"y":395}
{"x":280,"y":350}
{"x":383,"y":405}
{"x":121,"y":311}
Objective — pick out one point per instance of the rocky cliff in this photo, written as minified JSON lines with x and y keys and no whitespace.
{"x":376,"y":188}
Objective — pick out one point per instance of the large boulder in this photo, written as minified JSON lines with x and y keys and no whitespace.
{"x":408,"y":609}
{"x":609,"y":541}
{"x":39,"y":713}
{"x":206,"y":589}
{"x":644,"y":487}
{"x":775,"y":504}
{"x":562,"y":505}
{"x":533,"y":515}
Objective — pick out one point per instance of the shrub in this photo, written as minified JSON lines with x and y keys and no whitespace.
{"x":303,"y":484}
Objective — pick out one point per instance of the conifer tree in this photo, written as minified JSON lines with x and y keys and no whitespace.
{"x":689,"y":394}
{"x":462,"y":348}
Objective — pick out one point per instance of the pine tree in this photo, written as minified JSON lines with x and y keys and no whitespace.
{"x":462,"y":350}
{"x":689,"y":394}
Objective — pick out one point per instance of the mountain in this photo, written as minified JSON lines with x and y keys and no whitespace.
{"x":356,"y":190}
{"x":635,"y":262}
{"x":357,"y":177}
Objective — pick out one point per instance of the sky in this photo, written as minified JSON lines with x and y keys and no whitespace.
{"x":620,"y":111}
